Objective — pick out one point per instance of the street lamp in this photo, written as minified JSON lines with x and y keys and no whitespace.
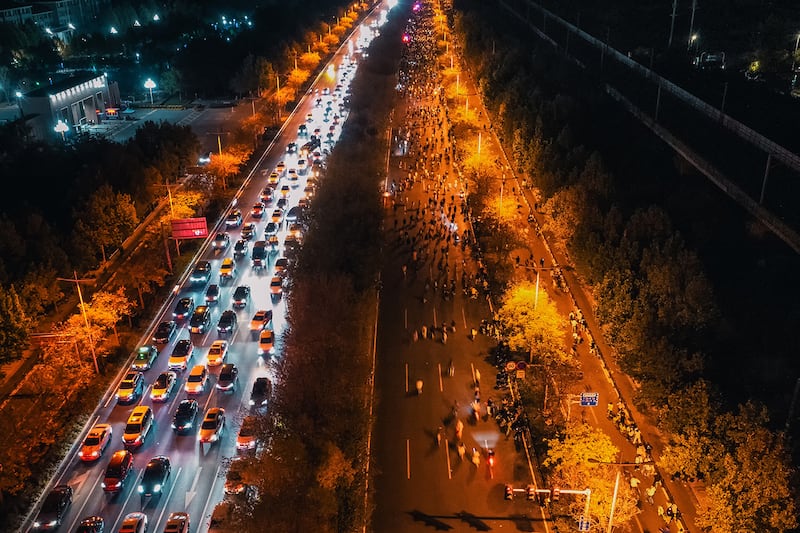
{"x":693,"y":40}
{"x":616,"y":485}
{"x":18,"y":94}
{"x":61,"y":128}
{"x":150,"y":84}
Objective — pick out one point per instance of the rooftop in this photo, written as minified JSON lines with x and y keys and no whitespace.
{"x":66,"y":83}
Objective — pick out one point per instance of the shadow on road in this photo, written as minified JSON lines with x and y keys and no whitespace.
{"x":521,"y":522}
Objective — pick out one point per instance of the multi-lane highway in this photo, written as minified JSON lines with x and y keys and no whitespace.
{"x":198,"y":469}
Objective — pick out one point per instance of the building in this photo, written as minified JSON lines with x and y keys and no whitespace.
{"x":78,"y":102}
{"x":57,"y":17}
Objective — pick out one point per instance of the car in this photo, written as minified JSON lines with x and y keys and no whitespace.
{"x":212,"y":294}
{"x":184,"y":308}
{"x":309,"y":191}
{"x":258,"y":259}
{"x":163,"y":386}
{"x":277,"y":216}
{"x":228,"y":376}
{"x":273,"y":242}
{"x":197,"y":380}
{"x":302,"y":203}
{"x":248,"y":231}
{"x":212,"y":426}
{"x":280,"y":168}
{"x":291,"y":148}
{"x":276,"y":286}
{"x":181,"y":355}
{"x":294,"y":213}
{"x":217,"y":353}
{"x":201,"y":274}
{"x":227,"y":323}
{"x":266,"y":195}
{"x":185,"y":415}
{"x":134,"y":523}
{"x":54,"y":508}
{"x":130,"y":388}
{"x":317,"y":132}
{"x":145,"y":357}
{"x":227,"y":270}
{"x":241,"y":296}
{"x":296,"y":230}
{"x":286,"y":190}
{"x":291,"y":243}
{"x":310,"y":117}
{"x":240,"y":249}
{"x":282,"y":202}
{"x":201,"y":318}
{"x":266,"y":342}
{"x":155,"y":476}
{"x":271,"y":229}
{"x":261,"y":319}
{"x":302,"y":131}
{"x":261,"y":393}
{"x":326,"y":91}
{"x":246,"y":440}
{"x":95,"y":443}
{"x":177,"y":523}
{"x":294,"y":177}
{"x":222,"y":241}
{"x":274,"y":178}
{"x":257,"y":211}
{"x":91,"y":524}
{"x":234,"y":219}
{"x":117,"y":470}
{"x":138,"y":427}
{"x":165,"y":331}
{"x":302,"y":166}
{"x":205,"y":158}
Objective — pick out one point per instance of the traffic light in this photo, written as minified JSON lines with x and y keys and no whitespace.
{"x":530,"y":493}
{"x":556,"y":494}
{"x":509,"y":492}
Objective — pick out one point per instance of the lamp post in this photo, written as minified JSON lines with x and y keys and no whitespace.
{"x":794,"y":54}
{"x":693,"y":40}
{"x":616,"y":485}
{"x":77,"y":283}
{"x":150,"y":84}
{"x":61,"y":128}
{"x":18,"y":95}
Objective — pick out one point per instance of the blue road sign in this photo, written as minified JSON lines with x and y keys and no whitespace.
{"x":583,"y":524}
{"x":590,"y":399}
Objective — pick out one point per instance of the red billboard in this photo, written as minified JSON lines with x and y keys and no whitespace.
{"x":189,"y":228}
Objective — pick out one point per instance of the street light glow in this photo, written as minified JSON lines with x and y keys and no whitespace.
{"x":150,"y":84}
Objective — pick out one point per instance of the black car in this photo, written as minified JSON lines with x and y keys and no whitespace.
{"x":201,"y":319}
{"x":262,"y":390}
{"x":185,"y":416}
{"x":54,"y":508}
{"x":165,"y":331}
{"x":201,"y":274}
{"x":282,"y":203}
{"x":155,"y":476}
{"x":227,"y":377}
{"x":222,"y":241}
{"x":248,"y":231}
{"x":240,"y":249}
{"x":91,"y":524}
{"x":227,"y":323}
{"x":183,"y":309}
{"x":291,"y":148}
{"x":212,"y":293}
{"x":241,"y":296}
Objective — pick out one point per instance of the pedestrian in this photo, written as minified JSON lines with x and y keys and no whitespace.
{"x":651,"y":492}
{"x":661,"y":514}
{"x":635,"y":484}
{"x":462,"y":451}
{"x":541,"y":262}
{"x":459,"y":429}
{"x":424,"y":332}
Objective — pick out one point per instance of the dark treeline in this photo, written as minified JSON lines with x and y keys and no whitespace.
{"x":652,"y":292}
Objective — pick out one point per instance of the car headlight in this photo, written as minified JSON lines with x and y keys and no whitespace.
{"x":251,"y":403}
{"x":157,"y":488}
{"x":37,"y":524}
{"x":141,"y":489}
{"x":272,"y":350}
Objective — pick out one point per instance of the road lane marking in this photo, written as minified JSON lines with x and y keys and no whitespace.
{"x":166,"y":501}
{"x":208,"y":400}
{"x":441,"y":384}
{"x":405,"y":317}
{"x":447,"y":455}
{"x":127,"y":500}
{"x":434,"y":317}
{"x":472,"y":367}
{"x":79,"y":515}
{"x":463,"y":317}
{"x":406,"y":378}
{"x":192,"y":492}
{"x":206,"y":514}
{"x":408,"y":459}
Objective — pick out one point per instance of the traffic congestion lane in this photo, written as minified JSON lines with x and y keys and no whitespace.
{"x":194,"y":483}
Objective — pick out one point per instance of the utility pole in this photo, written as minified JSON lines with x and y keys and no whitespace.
{"x":672,"y":24}
{"x":691,"y":24}
{"x":77,"y":283}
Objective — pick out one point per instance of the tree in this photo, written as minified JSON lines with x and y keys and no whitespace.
{"x":224,"y":166}
{"x":15,"y":324}
{"x":583,"y":457}
{"x":171,"y":81}
{"x":144,"y":273}
{"x":108,"y":308}
{"x":107,"y":220}
{"x":533,"y":324}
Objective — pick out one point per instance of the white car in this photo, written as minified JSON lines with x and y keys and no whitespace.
{"x":163,"y":386}
{"x":217,"y":353}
